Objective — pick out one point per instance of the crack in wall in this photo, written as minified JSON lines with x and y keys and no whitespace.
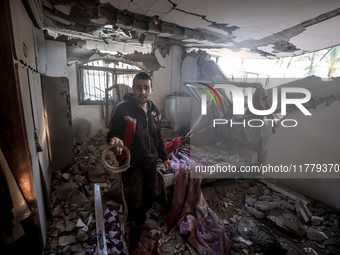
{"x":174,"y":5}
{"x":150,"y":7}
{"x":222,"y":26}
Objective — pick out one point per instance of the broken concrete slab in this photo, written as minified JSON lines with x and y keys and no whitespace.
{"x":65,"y":191}
{"x":285,"y":191}
{"x":250,"y":201}
{"x":77,"y":198}
{"x":256,"y":213}
{"x":97,"y":174}
{"x":266,"y":206}
{"x":66,"y":240}
{"x":316,"y":220}
{"x":295,"y":226}
{"x":240,"y":239}
{"x":286,"y":221}
{"x":286,"y":204}
{"x":315,"y":235}
{"x":303,"y":210}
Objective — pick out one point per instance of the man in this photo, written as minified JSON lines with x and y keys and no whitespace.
{"x":136,"y":124}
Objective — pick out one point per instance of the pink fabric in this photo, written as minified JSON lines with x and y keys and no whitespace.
{"x":201,"y":227}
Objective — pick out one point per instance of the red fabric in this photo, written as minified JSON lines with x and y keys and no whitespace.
{"x":129,"y":133}
{"x":170,"y":147}
{"x":173,"y":144}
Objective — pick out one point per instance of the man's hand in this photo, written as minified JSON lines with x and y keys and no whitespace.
{"x":167,"y":164}
{"x":117,"y":142}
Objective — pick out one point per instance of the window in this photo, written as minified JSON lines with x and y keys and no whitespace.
{"x":98,"y":77}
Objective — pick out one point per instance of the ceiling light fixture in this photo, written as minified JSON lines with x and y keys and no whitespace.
{"x":154,"y":20}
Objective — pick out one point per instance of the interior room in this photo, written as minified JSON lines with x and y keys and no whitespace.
{"x":249,"y":98}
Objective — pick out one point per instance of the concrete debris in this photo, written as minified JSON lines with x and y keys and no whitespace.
{"x":295,"y":226}
{"x":66,"y":240}
{"x":317,"y":220}
{"x":72,"y":199}
{"x":286,"y":221}
{"x":310,"y":250}
{"x":97,"y":174}
{"x":256,"y":213}
{"x":316,"y":235}
{"x":287,"y":205}
{"x":266,"y":206}
{"x":303,"y":210}
{"x":257,"y":218}
{"x":286,"y":191}
{"x":81,"y":224}
{"x":240,"y":239}
{"x":149,"y":61}
{"x":65,"y":191}
{"x":277,"y":230}
{"x":250,"y":201}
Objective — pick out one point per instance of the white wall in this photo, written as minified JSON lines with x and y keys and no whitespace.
{"x":25,"y":34}
{"x":92,"y":113}
{"x":189,"y":72}
{"x":176,"y":69}
{"x":56,"y":59}
{"x":165,"y":81}
{"x":316,"y":139}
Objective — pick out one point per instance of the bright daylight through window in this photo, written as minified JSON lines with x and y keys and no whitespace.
{"x":100,"y":77}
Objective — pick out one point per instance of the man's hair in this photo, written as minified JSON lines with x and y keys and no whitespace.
{"x":141,"y":76}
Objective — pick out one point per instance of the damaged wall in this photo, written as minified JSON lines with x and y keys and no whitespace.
{"x":198,"y":66}
{"x":189,"y":72}
{"x":314,"y":140}
{"x":55,"y":59}
{"x":165,"y":80}
{"x":92,"y":113}
{"x":29,"y":63}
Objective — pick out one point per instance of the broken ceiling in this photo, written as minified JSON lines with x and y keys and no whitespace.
{"x":234,"y":28}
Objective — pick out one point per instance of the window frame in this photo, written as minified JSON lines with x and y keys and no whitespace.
{"x":115,"y":71}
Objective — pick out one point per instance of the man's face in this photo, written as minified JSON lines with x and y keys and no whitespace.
{"x":142,"y":90}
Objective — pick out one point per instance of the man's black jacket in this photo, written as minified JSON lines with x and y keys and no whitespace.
{"x":140,"y":131}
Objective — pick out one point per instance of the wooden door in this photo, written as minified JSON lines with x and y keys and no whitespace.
{"x":56,"y":94}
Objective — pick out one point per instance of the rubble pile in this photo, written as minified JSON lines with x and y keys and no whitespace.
{"x":72,"y":200}
{"x":258,"y":219}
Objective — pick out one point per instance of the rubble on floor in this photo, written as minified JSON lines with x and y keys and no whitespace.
{"x":258,"y":219}
{"x":72,"y":200}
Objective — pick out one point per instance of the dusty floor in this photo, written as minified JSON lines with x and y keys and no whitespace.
{"x":257,"y":219}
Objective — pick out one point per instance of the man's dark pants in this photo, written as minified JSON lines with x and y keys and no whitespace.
{"x":139,"y":191}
